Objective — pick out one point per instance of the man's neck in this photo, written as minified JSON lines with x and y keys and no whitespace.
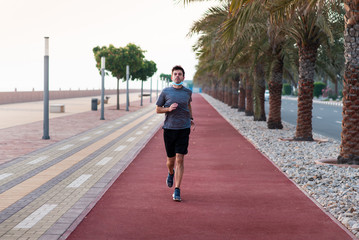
{"x":177,"y":86}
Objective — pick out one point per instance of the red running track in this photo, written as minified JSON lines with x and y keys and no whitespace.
{"x":229,"y":191}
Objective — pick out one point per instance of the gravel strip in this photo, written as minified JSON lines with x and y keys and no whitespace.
{"x":335,"y":188}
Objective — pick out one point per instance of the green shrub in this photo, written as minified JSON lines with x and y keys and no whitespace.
{"x":287,"y":89}
{"x":318,"y":89}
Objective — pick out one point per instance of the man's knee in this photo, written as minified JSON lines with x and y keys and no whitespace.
{"x":171,"y":160}
{"x":179,"y":158}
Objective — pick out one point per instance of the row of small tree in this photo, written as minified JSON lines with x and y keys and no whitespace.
{"x":118,"y":58}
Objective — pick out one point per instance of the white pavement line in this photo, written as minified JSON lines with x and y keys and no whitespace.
{"x":338,"y":122}
{"x":319,"y":117}
{"x":98,"y":132}
{"x":321,"y":109}
{"x":139,"y":132}
{"x":36,"y":216}
{"x":119,"y":122}
{"x":120,"y":148}
{"x":5,"y":175}
{"x":85,"y":138}
{"x":66,"y":147}
{"x":79,"y":181}
{"x":335,"y":111}
{"x":109,"y":127}
{"x":104,"y":161}
{"x":292,"y":110}
{"x":37,"y":160}
{"x":131,"y":139}
{"x":145,"y":127}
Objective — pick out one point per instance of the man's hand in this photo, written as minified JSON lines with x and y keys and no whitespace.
{"x":173,"y":107}
{"x":193,"y":125}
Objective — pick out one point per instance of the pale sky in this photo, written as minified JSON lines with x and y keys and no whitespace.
{"x":74,"y":27}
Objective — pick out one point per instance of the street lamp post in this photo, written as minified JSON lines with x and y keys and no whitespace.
{"x":127,"y":91}
{"x":141,"y":93}
{"x":157,"y":90}
{"x":151,"y":91}
{"x":46,"y":91}
{"x":102,"y":88}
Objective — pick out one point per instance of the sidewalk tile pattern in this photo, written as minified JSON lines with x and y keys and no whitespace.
{"x":44,"y":192}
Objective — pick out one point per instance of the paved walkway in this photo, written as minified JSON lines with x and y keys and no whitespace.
{"x":230,"y":190}
{"x":49,"y":183}
{"x":21,"y":126}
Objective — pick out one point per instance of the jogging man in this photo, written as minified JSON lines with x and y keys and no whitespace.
{"x":175,"y":102}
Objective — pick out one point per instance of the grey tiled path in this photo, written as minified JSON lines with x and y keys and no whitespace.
{"x":44,"y":195}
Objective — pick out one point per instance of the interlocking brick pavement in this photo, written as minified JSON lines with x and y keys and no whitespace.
{"x":47,"y":185}
{"x":23,"y":139}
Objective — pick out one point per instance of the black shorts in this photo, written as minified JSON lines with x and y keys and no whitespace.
{"x":176,"y":141}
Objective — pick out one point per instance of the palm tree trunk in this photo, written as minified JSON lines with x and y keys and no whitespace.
{"x":242,"y":97}
{"x":229,"y":93}
{"x":223,"y":92}
{"x":307,"y":58}
{"x":249,"y":98}
{"x":214,"y":91}
{"x":349,"y":147}
{"x":217,"y":91}
{"x":259,"y":89}
{"x":275,"y":96}
{"x":235,"y":87}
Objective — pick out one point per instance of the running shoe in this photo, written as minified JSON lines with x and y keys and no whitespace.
{"x":177,"y":195}
{"x":169,"y":180}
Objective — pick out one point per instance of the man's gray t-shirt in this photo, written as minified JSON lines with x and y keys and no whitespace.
{"x":180,"y":118}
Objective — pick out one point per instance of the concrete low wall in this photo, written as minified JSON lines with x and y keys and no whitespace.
{"x":31,"y":96}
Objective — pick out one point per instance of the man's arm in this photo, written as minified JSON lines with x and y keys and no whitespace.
{"x":190,"y":110}
{"x":166,"y":109}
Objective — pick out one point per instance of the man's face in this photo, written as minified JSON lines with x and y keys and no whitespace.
{"x":177,"y":76}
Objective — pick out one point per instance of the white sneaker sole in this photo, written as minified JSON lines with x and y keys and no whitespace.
{"x":174,"y":199}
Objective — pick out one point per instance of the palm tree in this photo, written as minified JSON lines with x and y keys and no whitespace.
{"x":309,"y":27}
{"x":253,"y":12}
{"x":307,"y":35}
{"x":276,"y":38}
{"x":308,"y":38}
{"x":248,"y":49}
{"x":211,"y":52}
{"x":242,"y":96}
{"x":349,"y":148}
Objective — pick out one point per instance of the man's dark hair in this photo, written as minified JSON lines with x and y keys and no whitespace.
{"x":178,"y":67}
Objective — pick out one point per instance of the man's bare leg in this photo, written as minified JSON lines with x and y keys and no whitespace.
{"x":179,"y":169}
{"x":171,"y":164}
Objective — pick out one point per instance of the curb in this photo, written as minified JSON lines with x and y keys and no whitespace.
{"x":333,"y":103}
